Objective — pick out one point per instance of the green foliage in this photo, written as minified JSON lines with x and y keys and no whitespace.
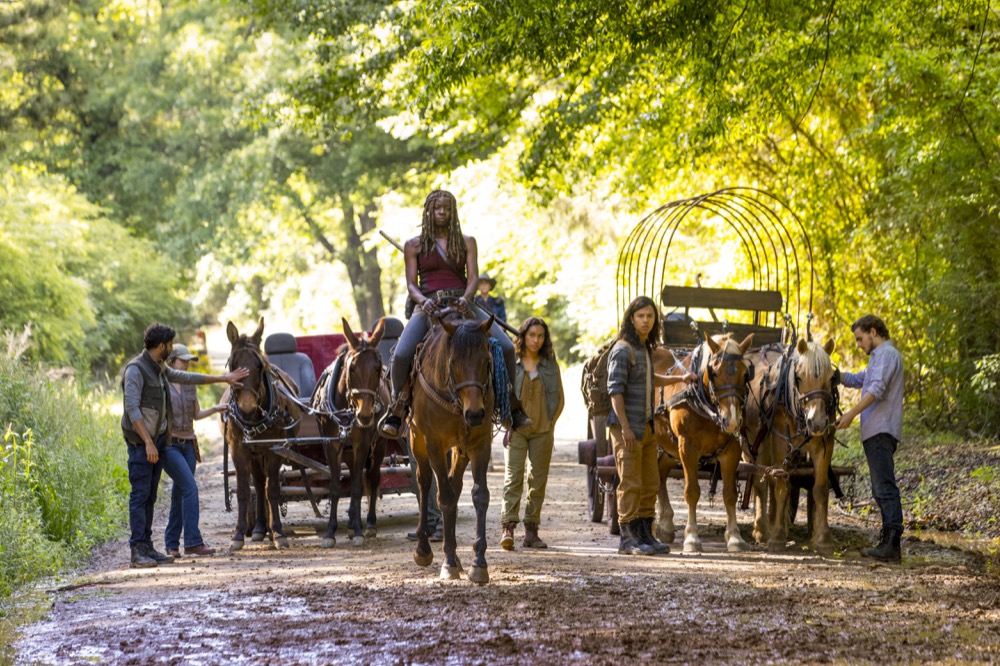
{"x":62,"y":485}
{"x":85,"y":286}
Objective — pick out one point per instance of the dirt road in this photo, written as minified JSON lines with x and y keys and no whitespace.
{"x":578,"y":601}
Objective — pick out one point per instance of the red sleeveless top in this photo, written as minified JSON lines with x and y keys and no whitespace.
{"x":434,"y":273}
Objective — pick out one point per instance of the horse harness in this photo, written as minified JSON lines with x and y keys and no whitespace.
{"x":274,"y":413}
{"x":347,"y":417}
{"x":706,"y":404}
{"x":784,"y":393}
{"x":448,"y":401}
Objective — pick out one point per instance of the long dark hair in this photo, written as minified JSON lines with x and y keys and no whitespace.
{"x":628,"y":333}
{"x":456,"y":241}
{"x":546,"y":351}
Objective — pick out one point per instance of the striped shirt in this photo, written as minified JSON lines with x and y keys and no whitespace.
{"x":883,"y":378}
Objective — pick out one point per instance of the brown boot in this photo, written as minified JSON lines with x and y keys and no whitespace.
{"x":531,"y":539}
{"x":507,"y":540}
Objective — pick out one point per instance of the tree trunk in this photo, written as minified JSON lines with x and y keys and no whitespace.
{"x":362,"y":265}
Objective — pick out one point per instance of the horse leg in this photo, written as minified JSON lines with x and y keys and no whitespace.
{"x":242,"y":494}
{"x":760,"y":496}
{"x":274,"y":500}
{"x":451,"y":568}
{"x":333,"y":452}
{"x":481,"y":500}
{"x":778,"y":535}
{"x":423,"y":555}
{"x":822,"y":539}
{"x":665,"y":530}
{"x":692,"y":493}
{"x":359,"y":455}
{"x":374,"y":481}
{"x":729,"y":460}
{"x":260,"y":499}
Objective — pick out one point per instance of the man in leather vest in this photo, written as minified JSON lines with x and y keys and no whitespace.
{"x":146,"y":427}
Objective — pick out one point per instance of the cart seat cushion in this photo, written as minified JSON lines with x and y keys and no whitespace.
{"x":393,"y":328}
{"x":281,"y":352}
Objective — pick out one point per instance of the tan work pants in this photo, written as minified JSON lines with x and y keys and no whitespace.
{"x":638,"y":474}
{"x":536,"y":449}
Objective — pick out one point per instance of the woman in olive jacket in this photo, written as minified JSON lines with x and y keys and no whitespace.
{"x":539,"y":386}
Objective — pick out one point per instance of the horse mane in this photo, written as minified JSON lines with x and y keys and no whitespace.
{"x":467,"y":339}
{"x":815,"y":361}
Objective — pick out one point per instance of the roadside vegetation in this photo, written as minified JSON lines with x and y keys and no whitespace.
{"x":62,"y":482}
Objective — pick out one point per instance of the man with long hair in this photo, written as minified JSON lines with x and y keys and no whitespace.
{"x":442,"y":264}
{"x":631,"y":381}
{"x":881,"y":410}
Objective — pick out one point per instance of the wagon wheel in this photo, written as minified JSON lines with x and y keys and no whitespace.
{"x":612,"y":502}
{"x":595,"y":496}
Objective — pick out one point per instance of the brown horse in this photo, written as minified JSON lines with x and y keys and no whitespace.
{"x":702,"y":421}
{"x":452,"y":405}
{"x":262,"y":409}
{"x":792,"y":412}
{"x":349,"y":399}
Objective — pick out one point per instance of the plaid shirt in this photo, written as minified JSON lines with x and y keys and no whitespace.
{"x":630,"y":373}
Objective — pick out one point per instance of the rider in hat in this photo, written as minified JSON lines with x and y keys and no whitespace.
{"x":491,"y":304}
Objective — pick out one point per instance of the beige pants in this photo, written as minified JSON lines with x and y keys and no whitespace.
{"x":537,"y":451}
{"x":638,"y":474}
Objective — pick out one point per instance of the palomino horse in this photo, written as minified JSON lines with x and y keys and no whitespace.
{"x":702,"y":422}
{"x":262,"y":409}
{"x":792,"y":411}
{"x":348,"y":400}
{"x":452,"y":409}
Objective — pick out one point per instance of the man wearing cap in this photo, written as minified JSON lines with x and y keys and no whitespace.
{"x":146,"y":421}
{"x":180,"y":460}
{"x":490,"y":304}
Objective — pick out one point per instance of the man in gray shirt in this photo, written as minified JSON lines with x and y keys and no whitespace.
{"x":881,"y":410}
{"x":146,"y":427}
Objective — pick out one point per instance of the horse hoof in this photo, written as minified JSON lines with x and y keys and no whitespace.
{"x":371,"y":533}
{"x":450,"y":573}
{"x":423,"y":560}
{"x":691,"y":546}
{"x":235,"y":545}
{"x":357,"y":541}
{"x":329,"y":543}
{"x":257,"y":536}
{"x":479,"y":575}
{"x":738,"y":546}
{"x":824,"y":549}
{"x":665,"y":535}
{"x":281,"y":543}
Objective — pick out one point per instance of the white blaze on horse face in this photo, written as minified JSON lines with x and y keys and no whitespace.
{"x":733,"y":416}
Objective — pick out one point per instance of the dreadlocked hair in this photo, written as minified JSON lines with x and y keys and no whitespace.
{"x":456,"y":241}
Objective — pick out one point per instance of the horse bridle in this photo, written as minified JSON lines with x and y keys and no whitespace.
{"x":353,"y":393}
{"x":451,"y":401}
{"x":253,"y":428}
{"x":728,"y":390}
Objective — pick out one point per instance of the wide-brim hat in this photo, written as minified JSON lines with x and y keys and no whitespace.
{"x":181,"y":352}
{"x":485,"y":277}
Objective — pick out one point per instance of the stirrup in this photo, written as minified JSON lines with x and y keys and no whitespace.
{"x":390,"y":426}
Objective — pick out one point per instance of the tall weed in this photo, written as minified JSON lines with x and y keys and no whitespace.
{"x":63,"y":486}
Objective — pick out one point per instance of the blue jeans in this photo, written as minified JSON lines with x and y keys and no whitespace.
{"x":144,"y":478}
{"x":179,"y":463}
{"x":880,"y":450}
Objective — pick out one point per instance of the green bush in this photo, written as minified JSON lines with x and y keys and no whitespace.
{"x":63,"y":486}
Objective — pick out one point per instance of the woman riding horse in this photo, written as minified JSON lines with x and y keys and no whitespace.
{"x":441,"y":263}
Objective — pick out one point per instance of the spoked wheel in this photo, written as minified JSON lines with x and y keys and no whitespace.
{"x":595,"y":496}
{"x":612,"y":502}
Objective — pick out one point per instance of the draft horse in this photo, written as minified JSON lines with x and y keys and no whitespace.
{"x":453,"y":402}
{"x":349,"y":399}
{"x":262,"y":409}
{"x":699,"y":422}
{"x":792,"y":412}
